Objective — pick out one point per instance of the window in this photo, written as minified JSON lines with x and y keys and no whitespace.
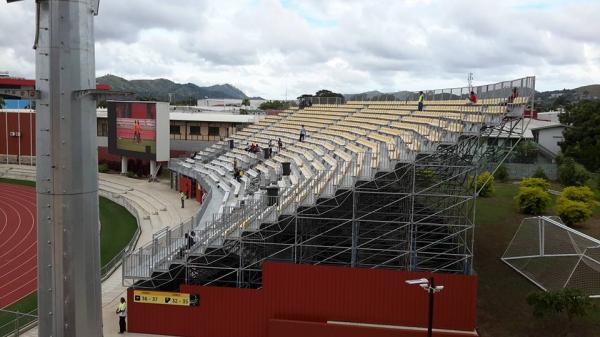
{"x":175,"y":129}
{"x":213,"y":131}
{"x":194,"y":130}
{"x":102,"y":128}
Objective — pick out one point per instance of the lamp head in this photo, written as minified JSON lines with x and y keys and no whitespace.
{"x":418,"y":281}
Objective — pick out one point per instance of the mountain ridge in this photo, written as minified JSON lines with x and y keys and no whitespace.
{"x":160,"y":88}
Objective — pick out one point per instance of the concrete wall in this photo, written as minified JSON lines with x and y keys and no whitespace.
{"x":550,"y":137}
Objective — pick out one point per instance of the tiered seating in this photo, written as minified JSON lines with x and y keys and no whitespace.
{"x":344,"y":143}
{"x":338,"y":135}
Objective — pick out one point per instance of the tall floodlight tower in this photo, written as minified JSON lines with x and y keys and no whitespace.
{"x":67,"y":178}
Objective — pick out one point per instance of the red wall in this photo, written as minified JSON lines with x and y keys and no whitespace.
{"x":185,"y":185}
{"x":313,"y":294}
{"x":286,"y":328}
{"x":17,"y":122}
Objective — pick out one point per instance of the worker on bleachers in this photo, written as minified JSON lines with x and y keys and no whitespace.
{"x":421,"y":99}
{"x":513,"y":95}
{"x":302,"y":133}
{"x":279,"y":144}
{"x":472,"y":98}
{"x":191,"y":240}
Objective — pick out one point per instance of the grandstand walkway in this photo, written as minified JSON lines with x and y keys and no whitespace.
{"x":158,"y":206}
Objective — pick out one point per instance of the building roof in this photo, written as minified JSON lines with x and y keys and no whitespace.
{"x":529,"y":124}
{"x":214,"y":117}
{"x":541,"y":124}
{"x":201,"y":117}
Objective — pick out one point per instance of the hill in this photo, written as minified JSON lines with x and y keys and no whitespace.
{"x":555,"y":99}
{"x":379,"y":96}
{"x":159,"y":89}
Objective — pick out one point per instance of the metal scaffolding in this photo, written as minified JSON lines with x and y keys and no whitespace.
{"x":412,"y":214}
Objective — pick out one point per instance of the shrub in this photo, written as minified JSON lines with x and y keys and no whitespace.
{"x":539,"y":173}
{"x":426,"y":176}
{"x":571,"y":173}
{"x":103,"y":168}
{"x":501,"y":173}
{"x":573,"y":212}
{"x":485,"y":182}
{"x":572,"y":302}
{"x":526,"y":152}
{"x":583,"y":194}
{"x":535,"y":182}
{"x":130,"y":174}
{"x":532,"y":200}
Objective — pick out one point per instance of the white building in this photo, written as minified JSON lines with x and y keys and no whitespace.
{"x":230,"y":103}
{"x":549,"y":136}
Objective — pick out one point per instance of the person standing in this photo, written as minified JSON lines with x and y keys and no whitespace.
{"x":279,"y":144}
{"x":122,"y":313}
{"x":421,"y":99}
{"x":302,"y":133}
{"x":182,"y":196}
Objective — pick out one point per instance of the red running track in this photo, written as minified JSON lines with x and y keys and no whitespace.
{"x":18,"y":237}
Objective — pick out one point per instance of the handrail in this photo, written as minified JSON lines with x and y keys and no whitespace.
{"x":15,"y":326}
{"x":115,"y":262}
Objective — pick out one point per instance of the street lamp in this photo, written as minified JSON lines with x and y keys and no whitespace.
{"x":429,"y":286}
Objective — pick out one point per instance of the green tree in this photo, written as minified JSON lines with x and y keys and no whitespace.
{"x":572,"y":212}
{"x":246,"y":102}
{"x":571,"y":173}
{"x":484,"y":183}
{"x":1,"y":102}
{"x":583,"y":194}
{"x":581,"y":138}
{"x":575,"y":204}
{"x":535,"y":182}
{"x":274,"y":105}
{"x":501,"y":173}
{"x":532,"y":200}
{"x":571,"y":302}
{"x":526,"y":152}
{"x":539,"y":173}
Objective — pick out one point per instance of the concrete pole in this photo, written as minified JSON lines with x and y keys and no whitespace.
{"x":67,"y":164}
{"x":123,"y":165}
{"x":152,"y":168}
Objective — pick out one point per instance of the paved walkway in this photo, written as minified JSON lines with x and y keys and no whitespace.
{"x":156,"y":201}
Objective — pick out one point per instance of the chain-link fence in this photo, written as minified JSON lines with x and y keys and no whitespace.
{"x":554,"y":256}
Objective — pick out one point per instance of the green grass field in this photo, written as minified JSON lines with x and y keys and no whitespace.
{"x":502,"y":309}
{"x":118,"y":227}
{"x":131,"y":145}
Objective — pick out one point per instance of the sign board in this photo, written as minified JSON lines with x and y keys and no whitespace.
{"x":163,"y":297}
{"x":139,"y":129}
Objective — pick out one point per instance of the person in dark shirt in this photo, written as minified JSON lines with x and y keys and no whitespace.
{"x":513,"y":95}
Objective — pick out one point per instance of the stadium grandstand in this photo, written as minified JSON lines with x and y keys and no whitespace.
{"x":375,"y":184}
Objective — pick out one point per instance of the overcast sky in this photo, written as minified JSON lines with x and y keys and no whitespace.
{"x":267,"y":46}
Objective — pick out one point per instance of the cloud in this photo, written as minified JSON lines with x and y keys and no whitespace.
{"x":270,"y":47}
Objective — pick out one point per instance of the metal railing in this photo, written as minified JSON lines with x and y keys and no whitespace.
{"x":166,"y":243}
{"x":16,"y":322}
{"x":107,"y":269}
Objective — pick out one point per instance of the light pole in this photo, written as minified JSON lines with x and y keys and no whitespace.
{"x":429,"y":286}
